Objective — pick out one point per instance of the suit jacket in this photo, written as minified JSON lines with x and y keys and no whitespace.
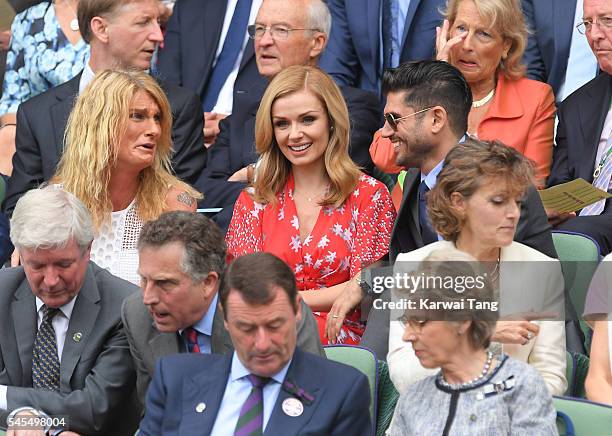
{"x":353,"y":53}
{"x":533,"y":230}
{"x":581,"y":120}
{"x":548,"y":47}
{"x":235,"y":146}
{"x":147,"y":344}
{"x":340,"y":407}
{"x":96,"y":372}
{"x":546,"y":352}
{"x":41,"y":122}
{"x":190,"y":45}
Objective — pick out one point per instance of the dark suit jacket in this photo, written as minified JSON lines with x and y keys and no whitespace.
{"x":147,"y":344}
{"x":190,"y":45}
{"x":353,"y":53}
{"x":96,"y":373}
{"x":41,"y":122}
{"x":581,"y":120}
{"x":548,"y":47}
{"x":533,"y":230}
{"x":340,"y":407}
{"x":235,"y":146}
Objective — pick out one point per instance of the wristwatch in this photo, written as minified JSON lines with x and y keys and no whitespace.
{"x":363,"y":279}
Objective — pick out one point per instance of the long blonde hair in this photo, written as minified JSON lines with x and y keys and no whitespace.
{"x":95,"y":127}
{"x":274,"y":168}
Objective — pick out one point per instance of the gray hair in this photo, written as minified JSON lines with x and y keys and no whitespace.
{"x":319,"y":16}
{"x":50,"y":217}
{"x":203,"y":243}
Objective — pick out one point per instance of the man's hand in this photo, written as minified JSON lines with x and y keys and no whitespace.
{"x":5,"y":40}
{"x":211,"y":127}
{"x":555,"y":218}
{"x":18,"y":430}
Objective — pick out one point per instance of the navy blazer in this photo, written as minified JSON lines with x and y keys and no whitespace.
{"x":548,"y":47}
{"x":353,"y":54}
{"x":41,"y":122}
{"x":182,"y":381}
{"x":191,"y":42}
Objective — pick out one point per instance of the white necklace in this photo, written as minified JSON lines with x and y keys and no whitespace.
{"x":487,"y":98}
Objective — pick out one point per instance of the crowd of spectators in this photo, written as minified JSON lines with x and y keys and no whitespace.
{"x":251,"y":165}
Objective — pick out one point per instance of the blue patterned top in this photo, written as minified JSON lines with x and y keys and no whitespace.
{"x":40,"y":56}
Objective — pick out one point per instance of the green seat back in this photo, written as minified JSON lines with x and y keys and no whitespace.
{"x":588,"y":418}
{"x":362,"y":359}
{"x":576,"y":372}
{"x":387,"y":399}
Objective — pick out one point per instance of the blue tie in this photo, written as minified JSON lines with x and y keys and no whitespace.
{"x":427,"y":232}
{"x":229,"y":54}
{"x":387,"y":32}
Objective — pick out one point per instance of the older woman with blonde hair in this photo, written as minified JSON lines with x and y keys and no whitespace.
{"x":475,"y":207}
{"x":474,"y":391}
{"x":309,"y":204}
{"x":485,"y":40}
{"x":117,"y":162}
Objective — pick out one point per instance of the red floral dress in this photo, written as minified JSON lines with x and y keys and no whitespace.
{"x":343,"y":241}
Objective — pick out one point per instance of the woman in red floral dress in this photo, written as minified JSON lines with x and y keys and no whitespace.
{"x":309,"y":204}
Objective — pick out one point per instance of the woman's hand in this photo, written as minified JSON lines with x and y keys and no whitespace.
{"x":346,"y":301}
{"x":443,"y":44}
{"x":515,"y":332}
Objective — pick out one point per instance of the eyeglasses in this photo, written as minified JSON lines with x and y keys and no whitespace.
{"x":393,"y":122}
{"x":415,"y":324}
{"x":257,"y":31}
{"x":603,"y":23}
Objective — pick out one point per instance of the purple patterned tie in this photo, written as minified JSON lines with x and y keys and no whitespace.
{"x":250,"y":421}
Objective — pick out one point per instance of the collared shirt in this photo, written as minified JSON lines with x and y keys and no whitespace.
{"x":603,"y":139}
{"x":60,"y":325}
{"x":204,"y":326}
{"x":237,"y":390}
{"x":431,"y":179}
{"x":226,"y":95}
{"x":581,"y":64}
{"x":86,"y":77}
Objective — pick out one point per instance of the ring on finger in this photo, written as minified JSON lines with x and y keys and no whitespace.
{"x":529,"y":336}
{"x":335,"y":316}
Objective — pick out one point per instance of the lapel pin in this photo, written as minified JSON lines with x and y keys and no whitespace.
{"x":201,"y":407}
{"x":77,"y":337}
{"x":293,"y":407}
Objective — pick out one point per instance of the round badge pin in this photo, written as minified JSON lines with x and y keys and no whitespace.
{"x":293,"y":407}
{"x":77,"y":337}
{"x":201,"y":407}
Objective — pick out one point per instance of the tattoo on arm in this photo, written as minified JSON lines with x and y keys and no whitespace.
{"x":185,"y":198}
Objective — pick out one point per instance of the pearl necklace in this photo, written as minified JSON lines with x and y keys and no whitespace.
{"x":483,"y":373}
{"x":487,"y":98}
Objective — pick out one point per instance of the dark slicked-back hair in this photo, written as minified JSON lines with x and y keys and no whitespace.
{"x":201,"y":238}
{"x":253,"y":276}
{"x":432,"y":83}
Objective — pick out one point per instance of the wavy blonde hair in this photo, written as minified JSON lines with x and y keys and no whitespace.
{"x":506,"y":17}
{"x":274,"y":168}
{"x":95,"y":127}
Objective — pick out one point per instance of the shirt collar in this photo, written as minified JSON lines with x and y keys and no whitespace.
{"x":432,"y":177}
{"x":86,"y":77}
{"x":205,"y":324}
{"x":66,"y":309}
{"x":239,"y":371}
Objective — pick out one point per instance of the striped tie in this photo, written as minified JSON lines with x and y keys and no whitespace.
{"x":191,"y":337}
{"x":45,"y":361}
{"x":250,"y":421}
{"x":602,"y":181}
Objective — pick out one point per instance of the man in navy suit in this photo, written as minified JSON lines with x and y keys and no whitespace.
{"x":355,"y":55}
{"x":307,"y":25}
{"x":267,"y":386}
{"x":196,"y":42}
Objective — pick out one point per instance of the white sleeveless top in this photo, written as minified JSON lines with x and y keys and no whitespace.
{"x":114,"y":247}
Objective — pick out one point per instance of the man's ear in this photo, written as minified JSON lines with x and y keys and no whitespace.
{"x":439,"y":119}
{"x":319,"y":42}
{"x":210,"y":283}
{"x":99,"y":29}
{"x":298,"y":307}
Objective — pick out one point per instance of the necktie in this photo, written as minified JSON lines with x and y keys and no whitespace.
{"x":387,"y":32}
{"x":229,"y":53}
{"x":250,"y":420}
{"x":45,"y":361}
{"x":601,"y":181}
{"x":427,"y":232}
{"x":191,"y":338}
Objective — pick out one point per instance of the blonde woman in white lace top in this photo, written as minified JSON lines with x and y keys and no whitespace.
{"x":117,"y":162}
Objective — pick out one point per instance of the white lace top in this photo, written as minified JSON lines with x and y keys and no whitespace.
{"x":114,"y":248}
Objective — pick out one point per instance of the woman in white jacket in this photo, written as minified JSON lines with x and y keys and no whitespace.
{"x":475,"y":207}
